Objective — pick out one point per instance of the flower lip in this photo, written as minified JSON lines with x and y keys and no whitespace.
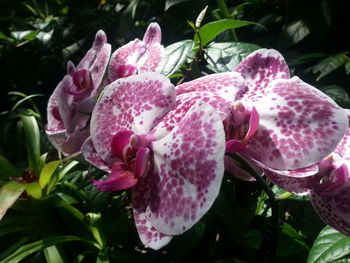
{"x":330,"y":177}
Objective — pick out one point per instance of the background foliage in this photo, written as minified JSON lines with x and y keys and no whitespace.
{"x":60,"y":217}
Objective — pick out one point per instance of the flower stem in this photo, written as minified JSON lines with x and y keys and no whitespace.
{"x":226,"y":14}
{"x":268,"y":245}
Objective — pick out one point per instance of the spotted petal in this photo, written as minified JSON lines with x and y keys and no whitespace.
{"x":141,"y":198}
{"x":188,"y":170}
{"x":299,"y":126}
{"x":334,"y":206}
{"x":96,"y":60}
{"x":152,"y":59}
{"x":136,"y":103}
{"x":184,"y":102}
{"x":259,"y":69}
{"x":153,"y":34}
{"x":54,"y":120}
{"x":90,"y":155}
{"x":127,"y":55}
{"x":228,"y":84}
{"x":294,"y":181}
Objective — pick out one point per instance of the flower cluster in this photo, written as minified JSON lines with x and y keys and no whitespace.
{"x":170,"y":144}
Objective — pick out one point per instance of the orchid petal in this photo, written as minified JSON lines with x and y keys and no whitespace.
{"x":151,"y":59}
{"x":54,"y":120}
{"x":90,"y":155}
{"x":65,"y":103}
{"x":56,"y":138}
{"x":136,"y":103}
{"x":75,"y":141}
{"x":147,"y":233}
{"x":153,"y":34}
{"x":299,"y":126}
{"x":120,"y":144}
{"x":259,"y":69}
{"x":184,"y":102}
{"x":235,"y":169}
{"x":127,"y":55}
{"x":233,"y":146}
{"x":343,"y":148}
{"x":90,"y":56}
{"x":294,"y":181}
{"x":141,"y":162}
{"x":120,"y":178}
{"x":188,"y":170}
{"x":253,"y":124}
{"x":333,"y":205}
{"x":228,"y":85}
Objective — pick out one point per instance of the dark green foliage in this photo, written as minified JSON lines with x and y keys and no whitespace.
{"x":63,"y":218}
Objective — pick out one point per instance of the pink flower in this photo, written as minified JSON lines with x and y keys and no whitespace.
{"x":174,"y":178}
{"x":71,"y":103}
{"x":138,"y":56}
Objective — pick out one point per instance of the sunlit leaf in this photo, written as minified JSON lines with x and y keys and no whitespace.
{"x":33,"y":189}
{"x":212,"y":29}
{"x":329,"y":64}
{"x":60,"y":174}
{"x":28,"y":249}
{"x":223,"y":57}
{"x":53,"y":255}
{"x":176,"y":55}
{"x":329,"y":246}
{"x":294,"y":33}
{"x":9,"y":193}
{"x":47,"y":172}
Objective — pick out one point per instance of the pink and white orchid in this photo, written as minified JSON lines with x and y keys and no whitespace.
{"x":70,"y":105}
{"x":138,"y":56}
{"x":279,"y":123}
{"x":330,"y":188}
{"x":174,"y":179}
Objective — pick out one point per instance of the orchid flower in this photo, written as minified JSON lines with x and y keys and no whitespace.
{"x":277,"y":122}
{"x":71,"y":103}
{"x":329,"y":187}
{"x":174,"y":179}
{"x":138,"y":56}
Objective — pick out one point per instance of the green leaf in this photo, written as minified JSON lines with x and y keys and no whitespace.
{"x":212,"y":29}
{"x":60,"y":174}
{"x":170,"y":3}
{"x":337,"y":93}
{"x":294,"y":33}
{"x":176,"y":55}
{"x":47,"y":172}
{"x":53,"y":255}
{"x":32,"y":137}
{"x":127,"y":17}
{"x":3,"y":36}
{"x":329,"y":64}
{"x":7,"y":169}
{"x":28,"y":249}
{"x":33,"y":189}
{"x":347,"y":67}
{"x":223,"y":57}
{"x":72,"y":217}
{"x":9,"y":193}
{"x":329,"y":246}
{"x":25,"y":99}
{"x":291,"y":245}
